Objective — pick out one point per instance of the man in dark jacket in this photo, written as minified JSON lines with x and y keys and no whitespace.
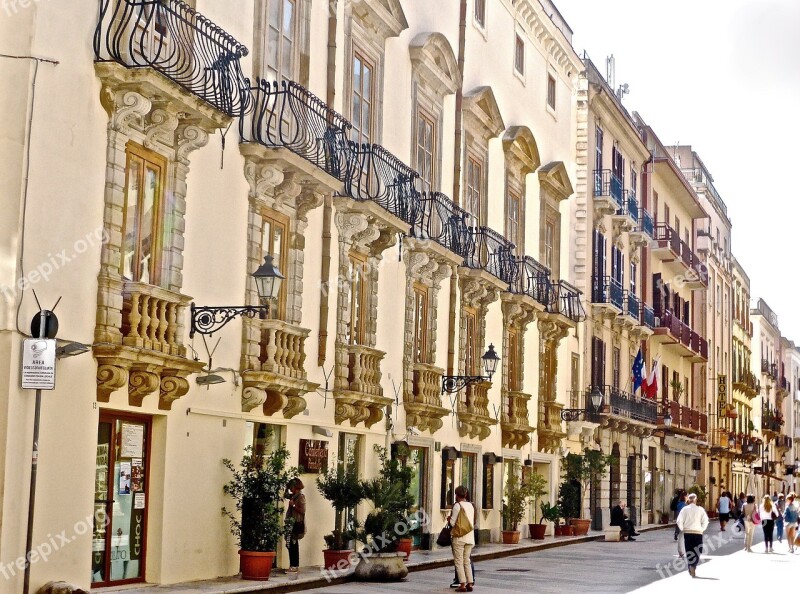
{"x":620,"y":518}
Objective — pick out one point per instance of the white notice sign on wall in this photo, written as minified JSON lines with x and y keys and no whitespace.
{"x":38,"y":364}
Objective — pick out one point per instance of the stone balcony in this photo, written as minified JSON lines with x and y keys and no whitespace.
{"x":358,"y":394}
{"x":278,"y":380}
{"x":139,"y":343}
{"x":514,"y":422}
{"x":473,"y":411}
{"x":424,"y":408}
{"x":549,"y":426}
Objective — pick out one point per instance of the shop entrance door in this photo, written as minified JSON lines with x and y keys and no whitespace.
{"x":120,"y":500}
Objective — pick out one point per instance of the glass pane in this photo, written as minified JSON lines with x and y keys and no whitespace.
{"x":274,"y":13}
{"x":131,"y":209}
{"x":127,"y":521}
{"x":365,"y":121}
{"x":266,"y":238}
{"x":147,"y":223}
{"x":367,"y":88}
{"x":277,"y":246}
{"x":272,"y":48}
{"x":286,"y":58}
{"x":468,"y":473}
{"x":357,"y":66}
{"x":101,"y":498}
{"x":266,"y":438}
{"x":288,"y":18}
{"x":357,"y":111}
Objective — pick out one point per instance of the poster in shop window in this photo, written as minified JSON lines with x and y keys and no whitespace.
{"x":132,"y":443}
{"x":125,"y":478}
{"x":137,"y":476}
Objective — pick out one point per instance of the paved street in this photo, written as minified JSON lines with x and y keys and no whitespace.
{"x":647,"y":566}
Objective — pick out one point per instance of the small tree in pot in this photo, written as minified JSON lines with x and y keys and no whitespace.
{"x":257,"y":487}
{"x":516,"y":498}
{"x":577,"y":472}
{"x":345,"y":490}
{"x":537,"y":486}
{"x":550,"y":514}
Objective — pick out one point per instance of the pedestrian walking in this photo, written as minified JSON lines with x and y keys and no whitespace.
{"x":748,"y":514}
{"x":724,"y":510}
{"x":462,"y":519}
{"x":780,"y":507}
{"x":693,"y":521}
{"x":681,"y":544}
{"x":768,"y":516}
{"x":673,"y":507}
{"x":791,"y":515}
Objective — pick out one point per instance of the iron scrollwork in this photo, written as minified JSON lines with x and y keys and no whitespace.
{"x":452,"y":384}
{"x":207,"y":320}
{"x":574,"y":414}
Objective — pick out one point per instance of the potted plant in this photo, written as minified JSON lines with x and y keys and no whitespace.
{"x":257,"y":488}
{"x":537,"y":486}
{"x":517,"y":493}
{"x":344,"y":489}
{"x":578,"y":471}
{"x":391,"y":499}
{"x":550,"y":514}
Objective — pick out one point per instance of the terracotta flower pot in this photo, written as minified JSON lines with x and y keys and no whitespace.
{"x":510,"y":536}
{"x":558,"y":530}
{"x":404,"y":546}
{"x":581,"y":527}
{"x":256,"y":566}
{"x":537,"y":531}
{"x":337,"y":560}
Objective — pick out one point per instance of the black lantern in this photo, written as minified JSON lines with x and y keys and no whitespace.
{"x":597,"y":398}
{"x":667,"y":418}
{"x":452,"y":384}
{"x":574,"y":414}
{"x":207,"y":320}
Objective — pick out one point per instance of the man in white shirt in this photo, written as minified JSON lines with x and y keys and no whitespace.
{"x":693,"y":521}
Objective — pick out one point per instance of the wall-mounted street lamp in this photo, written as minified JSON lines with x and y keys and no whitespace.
{"x":452,"y":384}
{"x":666,"y":418}
{"x":207,"y":320}
{"x":573,"y":414}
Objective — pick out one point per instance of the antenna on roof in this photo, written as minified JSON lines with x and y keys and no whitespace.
{"x":610,"y":70}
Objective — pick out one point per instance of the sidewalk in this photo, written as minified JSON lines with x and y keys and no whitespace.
{"x":312,"y":577}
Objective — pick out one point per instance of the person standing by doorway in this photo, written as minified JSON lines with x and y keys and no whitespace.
{"x":295,"y":512}
{"x":693,"y":521}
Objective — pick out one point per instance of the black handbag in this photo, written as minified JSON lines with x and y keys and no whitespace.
{"x":445,"y":539}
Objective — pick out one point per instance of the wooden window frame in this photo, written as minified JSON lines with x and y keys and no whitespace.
{"x":473,"y":191}
{"x":515,"y":229}
{"x":487,"y":483}
{"x":448,"y":469}
{"x":357,"y":133}
{"x":427,"y":182}
{"x":421,"y":323}
{"x":269,"y":70}
{"x":519,"y":54}
{"x":479,"y":13}
{"x":159,"y":162}
{"x":514,"y":383}
{"x":278,"y":308}
{"x":616,"y":366}
{"x":551,"y":92}
{"x":471,"y":362}
{"x":358,"y":295}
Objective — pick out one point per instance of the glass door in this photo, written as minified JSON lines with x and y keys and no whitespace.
{"x":418,"y":460}
{"x":120,"y":500}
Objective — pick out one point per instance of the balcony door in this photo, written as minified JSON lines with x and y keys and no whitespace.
{"x":120,"y":499}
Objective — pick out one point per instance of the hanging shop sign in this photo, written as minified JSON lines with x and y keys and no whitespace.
{"x":313,"y":455}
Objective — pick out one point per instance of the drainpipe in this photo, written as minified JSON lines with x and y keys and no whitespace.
{"x":645,"y":251}
{"x":327,"y":212}
{"x":462,"y":32}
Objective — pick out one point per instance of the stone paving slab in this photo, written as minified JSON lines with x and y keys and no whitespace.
{"x":311,"y":578}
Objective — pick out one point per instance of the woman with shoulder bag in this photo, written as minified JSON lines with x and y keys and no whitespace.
{"x":296,"y":511}
{"x":748,"y":514}
{"x":768,"y":515}
{"x":462,"y":519}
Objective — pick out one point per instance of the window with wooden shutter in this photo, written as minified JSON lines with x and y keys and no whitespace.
{"x":358,"y":274}
{"x":274,"y":229}
{"x":420,"y":323}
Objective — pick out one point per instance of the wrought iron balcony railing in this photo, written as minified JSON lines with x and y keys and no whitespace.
{"x":446,"y":223}
{"x":376,"y":174}
{"x":667,"y":237}
{"x":174,"y":40}
{"x":286,"y":115}
{"x":566,"y":301}
{"x":493,"y":253}
{"x":533,"y":279}
{"x":623,"y":404}
{"x":630,"y":206}
{"x":645,"y":222}
{"x":607,"y":290}
{"x":648,"y":316}
{"x":607,"y":184}
{"x":633,"y":305}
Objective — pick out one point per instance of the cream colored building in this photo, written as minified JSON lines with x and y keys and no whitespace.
{"x":147,"y":173}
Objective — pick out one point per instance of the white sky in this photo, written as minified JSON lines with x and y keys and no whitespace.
{"x":724,"y":77}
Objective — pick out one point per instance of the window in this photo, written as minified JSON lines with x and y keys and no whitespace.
{"x":448,"y":483}
{"x":350,"y":452}
{"x":488,"y":485}
{"x":617,"y":265}
{"x":514,"y":358}
{"x":551,"y":91}
{"x":549,"y":245}
{"x":266,"y":438}
{"x":474,"y":198}
{"x":519,"y":55}
{"x":598,"y":149}
{"x":358,"y":299}
{"x":471,"y":355}
{"x":514,"y":218}
{"x":633,"y":279}
{"x":618,"y":165}
{"x":468,"y":469}
{"x":362,"y":100}
{"x":420,"y":323}
{"x":142,"y":224}
{"x":281,"y":37}
{"x":615,"y":362}
{"x":574,"y":381}
{"x":426,"y":135}
{"x":666,"y":214}
{"x":598,"y":362}
{"x":273,"y":243}
{"x":480,"y":12}
{"x":633,"y":180}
